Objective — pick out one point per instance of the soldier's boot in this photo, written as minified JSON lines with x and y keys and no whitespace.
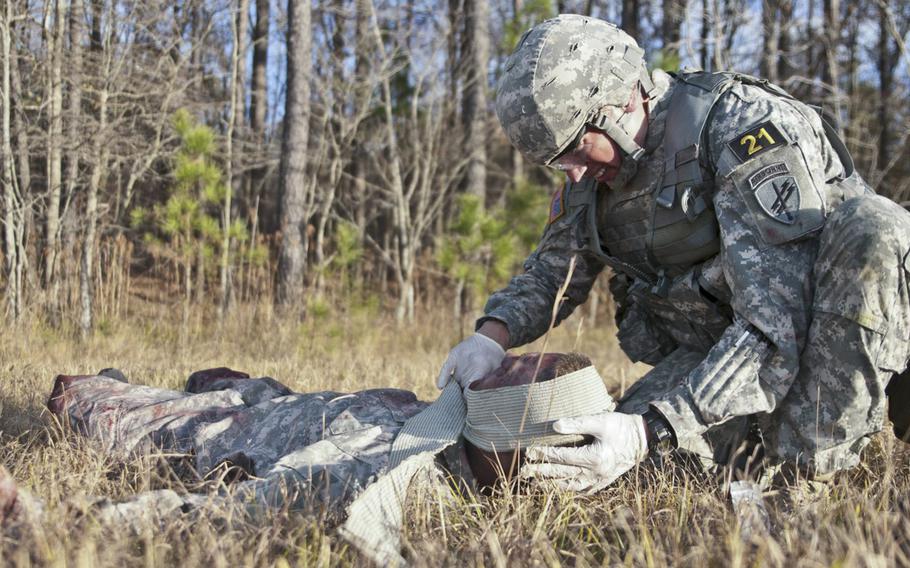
{"x":898,"y":392}
{"x":205,"y":380}
{"x":113,"y":373}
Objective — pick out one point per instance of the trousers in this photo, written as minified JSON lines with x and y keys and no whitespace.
{"x":854,"y":359}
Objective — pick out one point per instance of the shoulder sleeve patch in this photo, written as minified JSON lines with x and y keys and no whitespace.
{"x":781,"y":195}
{"x":756,"y":141}
{"x":557,"y":204}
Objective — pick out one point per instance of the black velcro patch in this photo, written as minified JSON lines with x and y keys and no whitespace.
{"x":754,"y":141}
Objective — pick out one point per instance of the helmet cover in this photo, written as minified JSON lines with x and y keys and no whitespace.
{"x":563,"y":71}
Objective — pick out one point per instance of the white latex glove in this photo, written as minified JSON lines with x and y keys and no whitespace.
{"x":620,"y":442}
{"x":470,"y":360}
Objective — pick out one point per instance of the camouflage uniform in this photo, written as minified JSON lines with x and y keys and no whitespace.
{"x":795,"y":320}
{"x":299,"y":449}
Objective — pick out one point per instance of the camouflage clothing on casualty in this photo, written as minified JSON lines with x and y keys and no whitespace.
{"x":299,"y":449}
{"x":747,"y":248}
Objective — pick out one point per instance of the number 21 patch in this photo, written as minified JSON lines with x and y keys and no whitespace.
{"x":755,"y":141}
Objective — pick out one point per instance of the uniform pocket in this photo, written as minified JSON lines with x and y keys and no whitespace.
{"x":640,"y":339}
{"x":896,"y":346}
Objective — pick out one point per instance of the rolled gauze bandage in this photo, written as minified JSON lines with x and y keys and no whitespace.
{"x":494,"y":416}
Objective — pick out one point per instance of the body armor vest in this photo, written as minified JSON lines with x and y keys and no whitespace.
{"x":664,"y":223}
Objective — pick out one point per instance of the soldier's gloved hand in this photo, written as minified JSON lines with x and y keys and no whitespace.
{"x":620,"y":442}
{"x":470,"y":360}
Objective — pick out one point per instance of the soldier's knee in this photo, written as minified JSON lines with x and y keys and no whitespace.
{"x":869,"y":230}
{"x":863,"y":269}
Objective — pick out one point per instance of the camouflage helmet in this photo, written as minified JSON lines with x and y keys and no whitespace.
{"x":561,"y":74}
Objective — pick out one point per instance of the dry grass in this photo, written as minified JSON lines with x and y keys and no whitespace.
{"x":650,"y":518}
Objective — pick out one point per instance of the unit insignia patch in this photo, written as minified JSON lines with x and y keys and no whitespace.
{"x":777,"y":192}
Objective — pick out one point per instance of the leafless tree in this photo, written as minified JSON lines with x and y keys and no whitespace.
{"x":236,"y":114}
{"x":54,"y":29}
{"x":11,"y":195}
{"x":674,"y":12}
{"x":474,"y":116}
{"x":292,"y":254}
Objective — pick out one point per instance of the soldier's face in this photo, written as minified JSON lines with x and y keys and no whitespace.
{"x":596,"y":155}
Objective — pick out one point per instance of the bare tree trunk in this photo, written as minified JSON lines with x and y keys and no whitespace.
{"x":74,"y":76}
{"x":363,"y":91}
{"x":831,"y":68}
{"x":630,"y":18}
{"x":771,"y":31}
{"x":78,"y":36}
{"x":401,"y":212}
{"x":718,"y":56}
{"x":885,"y":74}
{"x":23,"y":219}
{"x":21,"y":129}
{"x":785,"y":68}
{"x":402,"y":259}
{"x":733,"y":16}
{"x":518,"y":173}
{"x":99,"y":170}
{"x":291,"y":259}
{"x":259,"y":103}
{"x":97,"y":11}
{"x":477,"y":58}
{"x":240,"y":24}
{"x":7,"y":169}
{"x":200,"y":274}
{"x":810,"y":58}
{"x":674,"y":12}
{"x":852,"y":17}
{"x":453,"y":57}
{"x":54,"y":25}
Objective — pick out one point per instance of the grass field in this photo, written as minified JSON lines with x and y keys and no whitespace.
{"x":650,"y":517}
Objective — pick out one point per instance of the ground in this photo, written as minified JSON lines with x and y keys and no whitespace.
{"x":650,"y":517}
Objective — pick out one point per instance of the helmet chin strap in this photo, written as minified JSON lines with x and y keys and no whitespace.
{"x":619,"y":130}
{"x":620,"y":134}
{"x":623,"y":131}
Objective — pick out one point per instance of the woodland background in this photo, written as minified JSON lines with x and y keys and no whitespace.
{"x":319,"y":192}
{"x":313,"y":156}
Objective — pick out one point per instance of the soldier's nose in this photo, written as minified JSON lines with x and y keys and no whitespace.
{"x":575,"y":174}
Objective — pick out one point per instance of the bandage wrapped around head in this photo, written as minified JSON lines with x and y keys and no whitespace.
{"x":521,"y":416}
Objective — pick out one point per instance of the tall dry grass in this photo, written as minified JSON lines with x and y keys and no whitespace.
{"x":651,"y":517}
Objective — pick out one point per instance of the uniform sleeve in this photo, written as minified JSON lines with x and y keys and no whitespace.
{"x":772,"y":163}
{"x":525,"y":305}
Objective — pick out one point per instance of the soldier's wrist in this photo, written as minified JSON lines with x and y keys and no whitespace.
{"x":495,"y":330}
